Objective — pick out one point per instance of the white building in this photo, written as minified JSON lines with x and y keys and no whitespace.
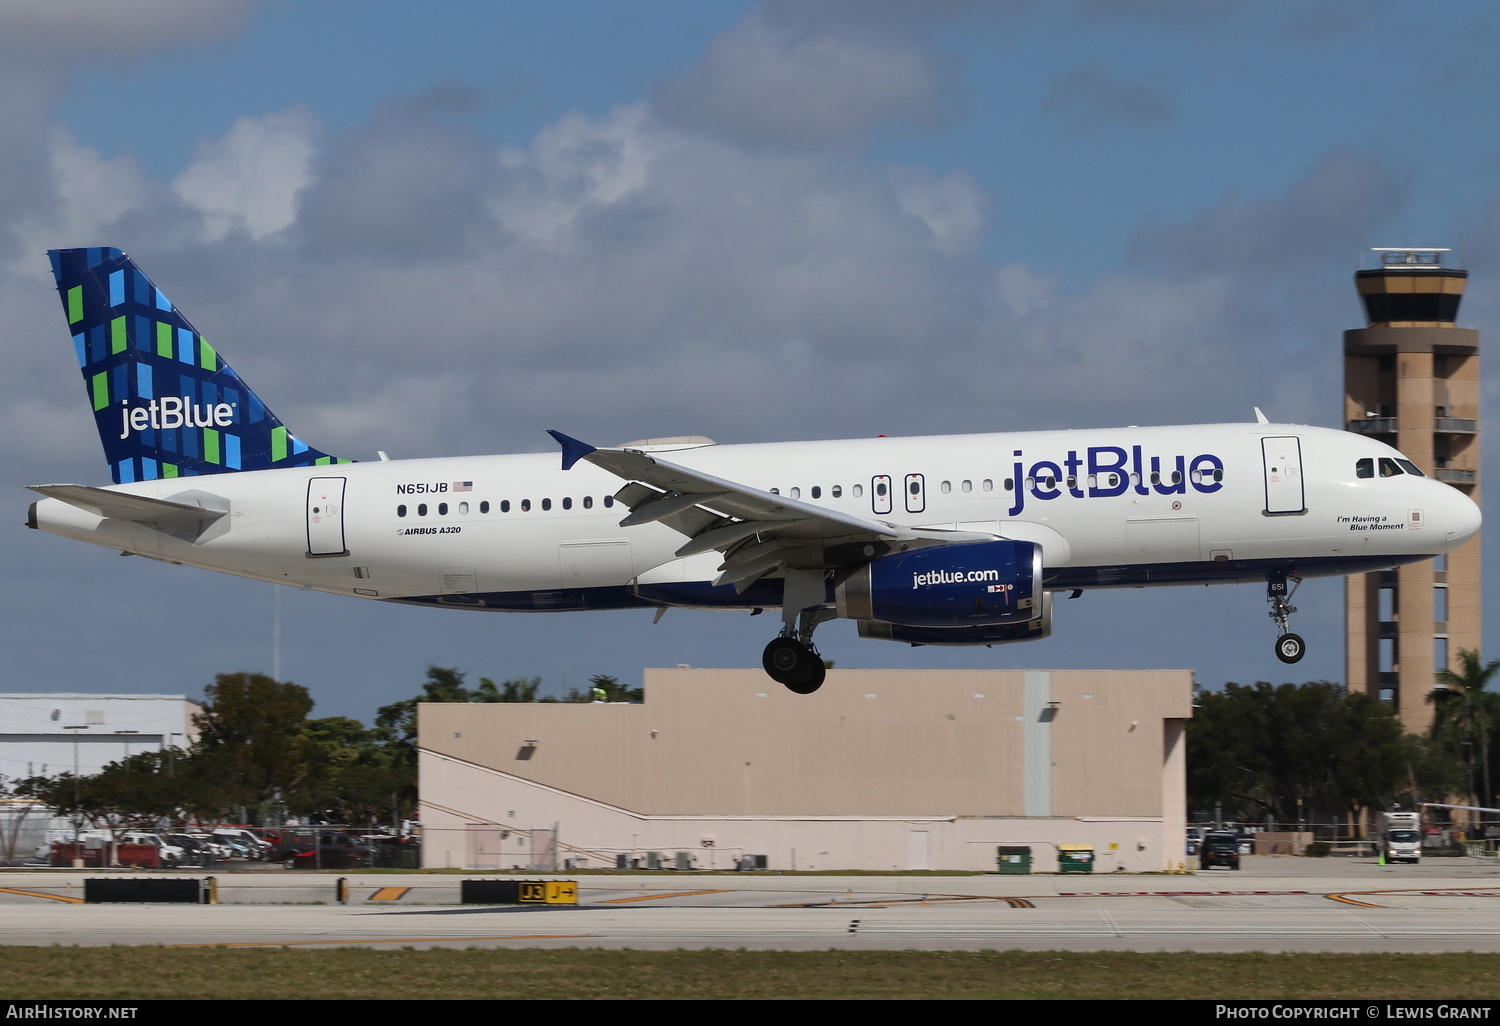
{"x":48,"y":734}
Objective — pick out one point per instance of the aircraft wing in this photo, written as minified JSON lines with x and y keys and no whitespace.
{"x":759,"y":532}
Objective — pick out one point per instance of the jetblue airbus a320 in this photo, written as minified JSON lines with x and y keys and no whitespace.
{"x":950,"y":540}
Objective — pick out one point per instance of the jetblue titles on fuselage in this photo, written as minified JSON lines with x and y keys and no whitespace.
{"x":1109,"y":470}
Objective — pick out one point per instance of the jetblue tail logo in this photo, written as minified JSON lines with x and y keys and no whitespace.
{"x":165,"y":403}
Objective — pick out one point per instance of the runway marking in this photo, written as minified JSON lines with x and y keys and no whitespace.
{"x":40,"y":894}
{"x":889,"y":902}
{"x":385,"y":940}
{"x":656,"y":897}
{"x":389,"y":894}
{"x":1173,"y":893}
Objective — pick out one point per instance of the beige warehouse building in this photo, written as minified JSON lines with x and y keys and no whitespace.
{"x":879,"y":770}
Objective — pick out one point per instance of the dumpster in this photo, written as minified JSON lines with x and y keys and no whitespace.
{"x":1075,"y":858}
{"x":1014,"y":861}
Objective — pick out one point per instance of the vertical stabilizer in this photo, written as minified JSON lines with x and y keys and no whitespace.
{"x":165,"y":403}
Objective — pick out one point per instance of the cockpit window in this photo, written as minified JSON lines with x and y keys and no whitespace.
{"x":1364,"y":467}
{"x":1410,"y":468}
{"x":1388,"y":467}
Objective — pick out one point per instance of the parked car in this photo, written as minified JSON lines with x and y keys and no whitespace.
{"x":254,"y":847}
{"x":172,"y":855}
{"x":1220,"y":848}
{"x":196,"y":851}
{"x":331,"y":851}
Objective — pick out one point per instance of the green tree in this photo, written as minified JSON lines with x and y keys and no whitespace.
{"x":1311,"y":747}
{"x":1465,"y":714}
{"x":519,"y":690}
{"x":252,"y":739}
{"x":605,"y":688}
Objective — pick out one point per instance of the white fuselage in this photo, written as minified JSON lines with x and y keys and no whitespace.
{"x":1112,"y":507}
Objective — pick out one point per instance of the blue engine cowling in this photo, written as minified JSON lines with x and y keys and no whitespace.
{"x":985,"y":634}
{"x":970,"y":585}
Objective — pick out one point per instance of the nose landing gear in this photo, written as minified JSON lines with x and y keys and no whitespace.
{"x":1290,"y":647}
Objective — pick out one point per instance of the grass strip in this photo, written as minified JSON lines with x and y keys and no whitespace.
{"x":125,"y":973}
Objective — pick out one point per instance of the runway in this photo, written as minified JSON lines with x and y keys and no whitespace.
{"x":1275,"y":905}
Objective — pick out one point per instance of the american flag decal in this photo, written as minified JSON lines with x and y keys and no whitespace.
{"x":463,"y":486}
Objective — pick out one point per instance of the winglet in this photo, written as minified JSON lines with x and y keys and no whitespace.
{"x":1260,"y":418}
{"x":572,"y":449}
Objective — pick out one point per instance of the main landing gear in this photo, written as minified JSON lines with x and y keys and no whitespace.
{"x":1289,"y":647}
{"x":794,"y":664}
{"x":791,"y":659}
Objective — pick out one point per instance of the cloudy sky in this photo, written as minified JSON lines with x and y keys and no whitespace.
{"x":444,"y":229}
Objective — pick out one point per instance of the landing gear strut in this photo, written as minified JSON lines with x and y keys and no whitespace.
{"x":791,"y":659}
{"x":1289,"y":647}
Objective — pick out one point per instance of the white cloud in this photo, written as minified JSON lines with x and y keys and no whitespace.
{"x":249,"y":179}
{"x":90,"y":194}
{"x":795,"y":75}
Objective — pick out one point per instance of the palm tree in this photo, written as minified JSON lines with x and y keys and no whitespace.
{"x":1468,"y":688}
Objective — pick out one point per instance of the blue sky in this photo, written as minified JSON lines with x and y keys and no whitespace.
{"x":446,"y":228}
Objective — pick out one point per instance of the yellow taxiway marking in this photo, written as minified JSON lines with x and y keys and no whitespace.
{"x":654,"y":897}
{"x":40,"y":894}
{"x":1445,"y":892}
{"x":389,"y":894}
{"x":384,"y":940}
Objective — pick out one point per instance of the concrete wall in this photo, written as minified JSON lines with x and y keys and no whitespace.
{"x":881,"y":769}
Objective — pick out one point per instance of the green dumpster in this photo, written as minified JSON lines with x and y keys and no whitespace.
{"x":1013,"y":861}
{"x":1075,"y":858}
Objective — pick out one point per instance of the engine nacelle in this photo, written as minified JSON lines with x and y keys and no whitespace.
{"x":976,"y":584}
{"x":985,"y":634}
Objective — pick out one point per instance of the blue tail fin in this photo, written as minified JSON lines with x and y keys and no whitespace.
{"x":165,"y":404}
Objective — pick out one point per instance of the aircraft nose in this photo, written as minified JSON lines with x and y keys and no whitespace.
{"x":1463,"y":519}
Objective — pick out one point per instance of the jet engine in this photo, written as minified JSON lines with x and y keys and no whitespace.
{"x":978,"y":593}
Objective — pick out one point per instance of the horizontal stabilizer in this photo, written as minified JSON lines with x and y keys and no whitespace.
{"x":179,"y":518}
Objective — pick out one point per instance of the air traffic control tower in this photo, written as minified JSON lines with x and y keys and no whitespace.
{"x":1411,"y":379}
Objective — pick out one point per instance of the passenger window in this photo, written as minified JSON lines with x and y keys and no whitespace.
{"x":796,"y":493}
{"x":484,"y":507}
{"x":525,"y":505}
{"x":442,"y":509}
{"x":817,"y":492}
{"x":546,"y":504}
{"x":588,"y":502}
{"x":422,"y":510}
{"x":609,"y":500}
{"x":859,"y":491}
{"x":988,"y":485}
{"x":567,"y":502}
{"x":837,"y":491}
{"x":967,"y":486}
{"x":946,"y":486}
{"x":400,"y":511}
